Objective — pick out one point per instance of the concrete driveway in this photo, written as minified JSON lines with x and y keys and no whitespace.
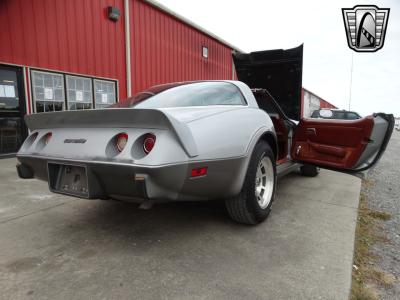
{"x":56,"y":247}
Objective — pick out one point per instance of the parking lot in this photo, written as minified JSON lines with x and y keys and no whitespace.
{"x":59,"y":247}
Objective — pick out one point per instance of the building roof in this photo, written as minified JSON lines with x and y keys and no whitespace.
{"x":170,"y":12}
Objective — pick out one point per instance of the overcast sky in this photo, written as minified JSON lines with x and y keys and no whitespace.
{"x":260,"y":25}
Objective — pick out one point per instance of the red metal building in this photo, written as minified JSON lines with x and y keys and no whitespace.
{"x":73,"y":54}
{"x":311,"y":102}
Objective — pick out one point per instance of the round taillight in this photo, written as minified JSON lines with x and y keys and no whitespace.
{"x":47,"y":138}
{"x":149,"y":142}
{"x":122,"y":139}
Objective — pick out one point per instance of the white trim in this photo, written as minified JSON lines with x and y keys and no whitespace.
{"x":170,"y":12}
{"x":233,"y":70}
{"x":127,"y":50}
{"x":24,"y":69}
{"x":71,"y":73}
{"x":58,"y":71}
{"x":11,"y":64}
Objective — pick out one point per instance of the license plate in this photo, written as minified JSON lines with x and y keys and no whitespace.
{"x":68,"y":179}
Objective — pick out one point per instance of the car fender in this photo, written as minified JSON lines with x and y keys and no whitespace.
{"x":259,"y":135}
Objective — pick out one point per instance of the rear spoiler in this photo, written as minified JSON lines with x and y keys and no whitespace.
{"x":115,"y":118}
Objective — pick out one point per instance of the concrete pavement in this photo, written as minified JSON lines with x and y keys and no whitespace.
{"x":56,"y":247}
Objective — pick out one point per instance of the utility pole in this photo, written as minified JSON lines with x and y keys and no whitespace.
{"x":351,"y":77}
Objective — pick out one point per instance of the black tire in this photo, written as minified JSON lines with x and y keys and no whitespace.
{"x":244,"y":208}
{"x":309,"y":170}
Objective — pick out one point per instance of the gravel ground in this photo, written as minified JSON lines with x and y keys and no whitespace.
{"x":384,"y":195}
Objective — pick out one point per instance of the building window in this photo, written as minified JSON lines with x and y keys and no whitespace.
{"x":205,"y":51}
{"x":48,"y":91}
{"x":79,"y":92}
{"x":104,"y":93}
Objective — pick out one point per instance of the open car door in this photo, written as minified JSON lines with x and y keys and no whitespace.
{"x":349,"y":146}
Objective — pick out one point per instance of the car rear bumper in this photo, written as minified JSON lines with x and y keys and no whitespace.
{"x":136,"y":183}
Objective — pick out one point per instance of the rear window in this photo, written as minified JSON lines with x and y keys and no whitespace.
{"x":186,"y":95}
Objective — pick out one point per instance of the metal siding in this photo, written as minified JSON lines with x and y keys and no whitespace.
{"x":69,"y":36}
{"x":326,"y":104}
{"x":77,"y":37}
{"x":164,"y":49}
{"x":311,"y":102}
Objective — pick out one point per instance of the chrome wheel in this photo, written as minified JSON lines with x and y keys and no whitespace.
{"x":264,"y":182}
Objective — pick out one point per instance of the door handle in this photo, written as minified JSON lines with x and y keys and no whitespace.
{"x":311,"y":131}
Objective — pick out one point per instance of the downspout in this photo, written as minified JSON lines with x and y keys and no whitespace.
{"x":128,"y":50}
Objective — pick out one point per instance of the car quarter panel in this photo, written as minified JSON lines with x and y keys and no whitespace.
{"x":229,"y":134}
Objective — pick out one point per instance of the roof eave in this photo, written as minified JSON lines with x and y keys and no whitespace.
{"x":170,"y":12}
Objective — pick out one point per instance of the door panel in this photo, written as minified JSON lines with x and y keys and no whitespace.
{"x":342,"y":144}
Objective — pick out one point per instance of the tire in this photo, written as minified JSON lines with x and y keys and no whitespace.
{"x":247,"y":208}
{"x":309,"y":170}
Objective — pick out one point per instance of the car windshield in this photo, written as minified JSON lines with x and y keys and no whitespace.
{"x":186,"y":94}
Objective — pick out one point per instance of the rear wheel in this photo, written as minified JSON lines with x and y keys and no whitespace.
{"x":309,"y":170}
{"x":253,"y":204}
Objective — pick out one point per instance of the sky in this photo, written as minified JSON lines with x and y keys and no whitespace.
{"x":255,"y":25}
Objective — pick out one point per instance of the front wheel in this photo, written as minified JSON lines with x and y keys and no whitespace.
{"x":253,"y":204}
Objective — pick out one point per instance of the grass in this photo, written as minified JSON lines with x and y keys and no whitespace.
{"x":366,"y":277}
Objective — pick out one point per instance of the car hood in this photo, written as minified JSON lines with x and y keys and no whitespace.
{"x":278,"y":71}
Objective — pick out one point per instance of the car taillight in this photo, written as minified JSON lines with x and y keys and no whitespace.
{"x":149,"y":142}
{"x":199,"y":172}
{"x":47,"y":138}
{"x":122,"y":139}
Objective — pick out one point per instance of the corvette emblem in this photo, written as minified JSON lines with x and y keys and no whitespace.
{"x":365,"y":27}
{"x":75,"y":141}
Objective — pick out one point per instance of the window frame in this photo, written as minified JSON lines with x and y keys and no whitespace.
{"x":31,"y":89}
{"x":204,"y":51}
{"x":33,"y":85}
{"x":94,"y":91}
{"x":67,"y":76}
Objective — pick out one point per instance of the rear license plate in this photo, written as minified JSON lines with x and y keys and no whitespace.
{"x":68,"y":179}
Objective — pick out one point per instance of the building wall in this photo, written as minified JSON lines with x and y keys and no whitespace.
{"x":77,"y":37}
{"x":311,"y":102}
{"x":69,"y":36}
{"x":164,"y":49}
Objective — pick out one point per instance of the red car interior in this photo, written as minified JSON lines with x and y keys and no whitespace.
{"x":332,"y":143}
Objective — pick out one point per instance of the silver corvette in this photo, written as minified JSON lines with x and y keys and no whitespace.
{"x":200,"y":140}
